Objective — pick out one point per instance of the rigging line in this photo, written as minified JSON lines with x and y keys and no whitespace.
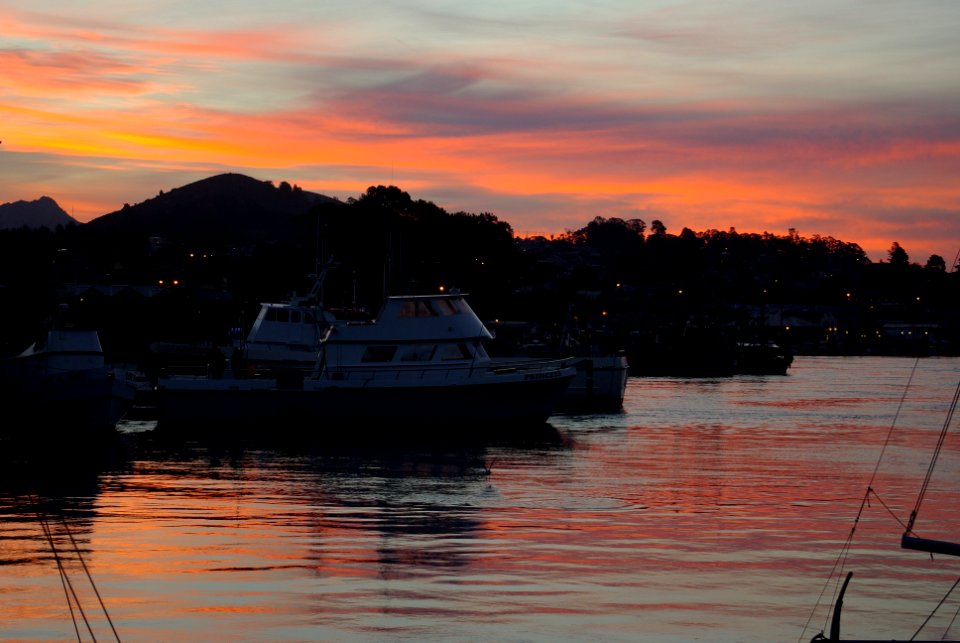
{"x":841,"y":557}
{"x":65,"y":578}
{"x":73,"y":616}
{"x":950,"y":624}
{"x":889,"y":510}
{"x":929,"y":616}
{"x":90,"y":578}
{"x":838,"y":564}
{"x":893,"y":424}
{"x":936,"y":454}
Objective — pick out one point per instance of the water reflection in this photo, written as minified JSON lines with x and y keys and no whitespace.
{"x":392,"y":501}
{"x":708,"y":509}
{"x":48,"y":490}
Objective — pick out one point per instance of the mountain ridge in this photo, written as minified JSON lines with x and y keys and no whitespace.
{"x":225,"y":207}
{"x":39,"y":213}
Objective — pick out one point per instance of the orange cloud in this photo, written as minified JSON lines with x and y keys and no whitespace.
{"x":544,"y":144}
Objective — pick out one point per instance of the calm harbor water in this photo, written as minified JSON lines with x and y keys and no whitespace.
{"x":709,"y":509}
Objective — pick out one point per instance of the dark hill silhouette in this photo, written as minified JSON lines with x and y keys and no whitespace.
{"x":227,"y":208}
{"x":42,"y":213}
{"x":231,"y":242}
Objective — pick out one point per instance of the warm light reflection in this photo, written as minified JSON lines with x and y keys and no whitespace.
{"x":633,"y":521}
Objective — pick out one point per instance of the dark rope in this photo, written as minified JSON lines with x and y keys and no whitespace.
{"x":90,"y":578}
{"x":929,"y":616}
{"x":65,"y":579}
{"x":889,"y":510}
{"x":840,"y":562}
{"x":950,"y":624}
{"x":893,"y":424}
{"x":63,"y":576}
{"x":933,"y":460}
{"x":837,"y":570}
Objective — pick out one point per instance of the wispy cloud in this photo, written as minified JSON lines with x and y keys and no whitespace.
{"x":831,"y":118}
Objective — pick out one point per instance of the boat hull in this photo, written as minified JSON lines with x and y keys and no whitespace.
{"x":69,"y":401}
{"x":327,"y":409}
{"x":599,"y":387}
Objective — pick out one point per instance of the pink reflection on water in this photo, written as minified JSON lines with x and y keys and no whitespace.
{"x":709,"y":509}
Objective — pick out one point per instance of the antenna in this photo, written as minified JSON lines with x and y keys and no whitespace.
{"x":388,"y":265}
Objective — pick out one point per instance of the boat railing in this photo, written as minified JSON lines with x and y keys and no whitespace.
{"x":526,"y":363}
{"x":443,"y":372}
{"x":369,"y":372}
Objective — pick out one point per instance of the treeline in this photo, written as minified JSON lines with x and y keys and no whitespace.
{"x":613,"y":282}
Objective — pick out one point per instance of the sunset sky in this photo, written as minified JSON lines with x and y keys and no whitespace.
{"x":833,"y":118}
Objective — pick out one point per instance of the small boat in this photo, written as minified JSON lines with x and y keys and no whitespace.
{"x":419,"y":364}
{"x":704,"y":352}
{"x":600,"y":385}
{"x":64,"y":382}
{"x":601,"y":382}
{"x":288,"y":334}
{"x":761,"y":358}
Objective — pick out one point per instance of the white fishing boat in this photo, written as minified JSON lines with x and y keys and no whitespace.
{"x":420,"y":364}
{"x":288,"y":334}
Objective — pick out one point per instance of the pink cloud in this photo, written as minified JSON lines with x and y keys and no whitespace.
{"x":485,"y":134}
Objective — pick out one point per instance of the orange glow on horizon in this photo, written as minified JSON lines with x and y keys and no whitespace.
{"x":126,"y":108}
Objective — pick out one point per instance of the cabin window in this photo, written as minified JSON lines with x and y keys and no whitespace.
{"x":418,"y":353}
{"x":283,"y":315}
{"x":480,"y":351}
{"x":454,"y":351}
{"x":308,"y":318}
{"x":417,"y":308}
{"x":446,"y":307}
{"x":295,"y":316}
{"x":271,"y":315}
{"x":379,"y":354}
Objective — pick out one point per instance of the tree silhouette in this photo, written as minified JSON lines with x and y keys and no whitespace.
{"x":936,"y":262}
{"x":898,"y":256}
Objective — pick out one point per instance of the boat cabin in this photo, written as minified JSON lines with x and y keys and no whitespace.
{"x":409,"y":330}
{"x":285,"y":333}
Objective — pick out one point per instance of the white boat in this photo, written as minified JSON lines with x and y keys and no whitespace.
{"x":420,"y":364}
{"x":64,"y":382}
{"x":600,"y":384}
{"x":601,"y":381}
{"x":288,"y":334}
{"x":598,"y":387}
